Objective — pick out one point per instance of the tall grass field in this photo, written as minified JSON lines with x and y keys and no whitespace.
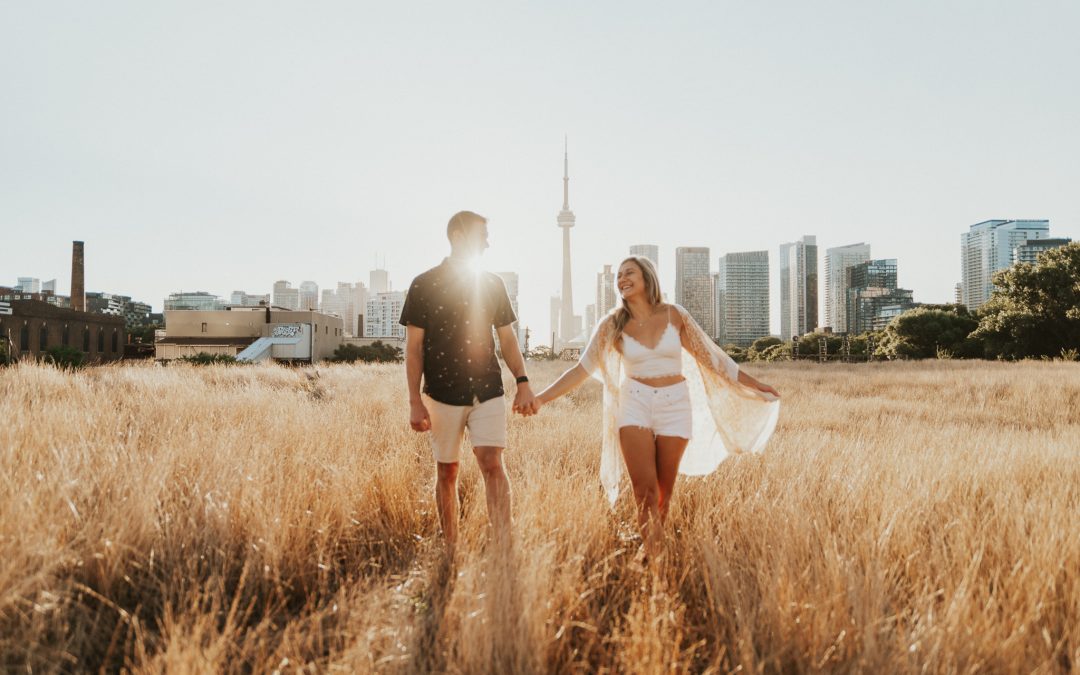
{"x":905,"y":518}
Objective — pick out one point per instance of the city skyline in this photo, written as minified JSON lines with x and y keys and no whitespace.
{"x":729,"y":127}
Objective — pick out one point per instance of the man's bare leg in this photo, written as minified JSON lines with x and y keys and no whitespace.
{"x":446,"y":498}
{"x":497,"y":486}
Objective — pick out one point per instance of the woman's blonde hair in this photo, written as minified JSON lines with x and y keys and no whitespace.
{"x":652,"y":294}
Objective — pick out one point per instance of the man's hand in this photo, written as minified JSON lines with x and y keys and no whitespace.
{"x":525,"y":403}
{"x":419,"y":419}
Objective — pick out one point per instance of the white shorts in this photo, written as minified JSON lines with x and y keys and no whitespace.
{"x":665,"y":410}
{"x":485,"y":421}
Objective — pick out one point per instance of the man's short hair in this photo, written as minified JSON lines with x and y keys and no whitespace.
{"x":462,"y":221}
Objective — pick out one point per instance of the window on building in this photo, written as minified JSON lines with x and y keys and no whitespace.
{"x":86,"y":338}
{"x":204,"y":326}
{"x":24,"y":338}
{"x":115,"y":340}
{"x":100,"y":340}
{"x":43,"y":337}
{"x":66,"y":335}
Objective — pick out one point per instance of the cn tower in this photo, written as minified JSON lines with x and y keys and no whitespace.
{"x":566,"y":221}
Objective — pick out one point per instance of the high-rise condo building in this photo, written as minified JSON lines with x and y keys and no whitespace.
{"x":1029,"y":251}
{"x":873,"y":299}
{"x":650,"y":251}
{"x":382,"y":314}
{"x":511,"y":281}
{"x":309,"y":295}
{"x":741,"y":288}
{"x":837,"y":260}
{"x":285,"y":296}
{"x":798,"y":287}
{"x":378,"y":281}
{"x":605,"y":291}
{"x":590,"y":318}
{"x":694,"y":285}
{"x":990,"y":246}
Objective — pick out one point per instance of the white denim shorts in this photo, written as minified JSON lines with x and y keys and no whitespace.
{"x":485,"y":421}
{"x":665,"y":410}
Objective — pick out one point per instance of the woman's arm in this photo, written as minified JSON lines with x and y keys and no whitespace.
{"x":566,"y":383}
{"x":745,"y":378}
{"x":690,"y":335}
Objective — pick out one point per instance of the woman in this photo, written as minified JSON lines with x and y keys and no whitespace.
{"x":663,"y":422}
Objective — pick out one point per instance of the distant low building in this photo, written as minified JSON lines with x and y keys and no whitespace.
{"x":244,"y":299}
{"x":197,"y":301}
{"x":135,"y":313}
{"x":262,"y":332}
{"x":8,"y":294}
{"x":30,"y":327}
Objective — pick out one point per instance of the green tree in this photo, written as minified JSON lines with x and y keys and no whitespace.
{"x":919,"y":333}
{"x":1034,"y":309}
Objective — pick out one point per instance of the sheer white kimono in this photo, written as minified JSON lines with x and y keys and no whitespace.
{"x":728,"y":417}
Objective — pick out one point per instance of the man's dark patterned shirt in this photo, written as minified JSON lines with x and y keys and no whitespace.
{"x":457,"y":308}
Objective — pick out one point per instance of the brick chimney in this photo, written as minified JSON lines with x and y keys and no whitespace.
{"x":78,"y":280}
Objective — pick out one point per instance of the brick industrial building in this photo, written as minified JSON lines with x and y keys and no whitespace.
{"x":34,"y":326}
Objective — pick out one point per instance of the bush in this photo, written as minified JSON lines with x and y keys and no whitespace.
{"x":542,"y":353}
{"x":758,"y":347}
{"x":376,"y":352}
{"x":204,"y":359}
{"x":919,"y":333}
{"x":62,"y":356}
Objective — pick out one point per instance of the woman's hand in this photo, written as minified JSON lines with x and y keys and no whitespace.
{"x":762,"y":387}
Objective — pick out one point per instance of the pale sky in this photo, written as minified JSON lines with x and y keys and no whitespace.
{"x":223,"y":146}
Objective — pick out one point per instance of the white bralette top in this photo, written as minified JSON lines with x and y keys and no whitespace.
{"x":663,"y":360}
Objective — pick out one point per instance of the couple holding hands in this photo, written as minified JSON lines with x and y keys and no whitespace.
{"x":673,"y":401}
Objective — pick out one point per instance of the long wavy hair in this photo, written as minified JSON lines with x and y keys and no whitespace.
{"x":652,"y":294}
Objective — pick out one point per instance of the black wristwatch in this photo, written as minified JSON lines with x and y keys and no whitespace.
{"x":522,"y":378}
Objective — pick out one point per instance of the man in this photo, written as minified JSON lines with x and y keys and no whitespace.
{"x":448,"y":314}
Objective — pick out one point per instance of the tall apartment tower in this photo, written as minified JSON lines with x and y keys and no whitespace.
{"x":694,"y":285}
{"x":605,"y":292}
{"x":382,"y":313}
{"x":378,"y":281}
{"x":565,"y":221}
{"x":798,"y":287}
{"x":742,"y":297}
{"x":309,"y":295}
{"x":873,"y":298}
{"x":511,"y":281}
{"x":285,"y":295}
{"x":650,"y":251}
{"x":990,"y":246}
{"x":837,"y":260}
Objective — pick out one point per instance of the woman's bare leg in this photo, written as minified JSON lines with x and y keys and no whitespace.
{"x":639,"y":453}
{"x":669,"y":452}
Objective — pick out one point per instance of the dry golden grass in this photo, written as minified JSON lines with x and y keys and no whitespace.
{"x":918,"y":517}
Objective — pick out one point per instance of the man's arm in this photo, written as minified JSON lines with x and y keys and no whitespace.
{"x":414,"y":370}
{"x":524,"y":401}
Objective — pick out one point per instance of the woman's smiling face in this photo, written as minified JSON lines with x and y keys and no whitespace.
{"x":630,"y":281}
